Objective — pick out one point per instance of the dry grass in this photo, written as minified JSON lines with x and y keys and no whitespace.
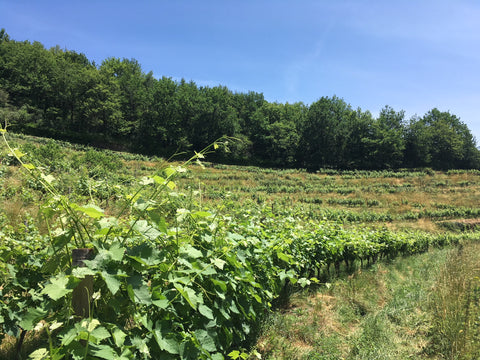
{"x":375,"y":313}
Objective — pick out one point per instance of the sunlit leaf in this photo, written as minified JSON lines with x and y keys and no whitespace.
{"x":159,"y":180}
{"x":235,"y":354}
{"x":206,"y":311}
{"x":191,"y":251}
{"x":189,"y":295}
{"x":91,"y":210}
{"x":146,"y":180}
{"x":39,"y":354}
{"x":29,"y":166}
{"x":17,"y":153}
{"x":219,"y":263}
{"x":57,"y":287}
{"x":104,"y":352}
{"x":170,"y":172}
{"x":119,"y":337}
{"x":48,"y":178}
{"x":201,"y":214}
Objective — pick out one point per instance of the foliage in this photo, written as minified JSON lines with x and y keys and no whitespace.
{"x":60,"y":93}
{"x":454,"y":304}
{"x":171,"y":277}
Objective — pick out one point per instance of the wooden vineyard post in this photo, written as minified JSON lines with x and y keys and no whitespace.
{"x":82,"y":294}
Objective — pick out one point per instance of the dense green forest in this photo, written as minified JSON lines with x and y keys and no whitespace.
{"x":60,"y":93}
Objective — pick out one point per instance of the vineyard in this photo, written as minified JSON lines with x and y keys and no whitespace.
{"x":189,"y":257}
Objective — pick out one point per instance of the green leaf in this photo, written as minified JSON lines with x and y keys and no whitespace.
{"x":140,"y":290}
{"x":90,"y":324}
{"x":146,"y":180}
{"x":113,"y":284}
{"x":206,"y":311}
{"x":145,"y":254}
{"x":143,"y":295}
{"x":116,"y":252}
{"x":31,"y":318}
{"x":29,"y":166}
{"x":47,"y":178}
{"x":219,"y":263}
{"x":69,"y":336}
{"x":57,"y":287}
{"x":191,"y":251}
{"x":159,"y":300}
{"x":284,"y":257}
{"x":99,"y":334}
{"x":167,"y":344}
{"x":159,"y":220}
{"x":104,"y":352}
{"x":206,"y":340}
{"x":119,"y":337}
{"x":258,"y":298}
{"x":221,"y":284}
{"x":17,"y":153}
{"x":169,"y":172}
{"x":235,"y":354}
{"x":106,"y":223}
{"x":161,"y":303}
{"x":141,"y":346}
{"x":39,"y":354}
{"x":189,"y":295}
{"x":201,"y":214}
{"x":159,"y":180}
{"x":90,"y":210}
{"x":81,"y":272}
{"x":146,"y":229}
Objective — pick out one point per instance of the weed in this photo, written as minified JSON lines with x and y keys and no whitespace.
{"x":455,"y":332}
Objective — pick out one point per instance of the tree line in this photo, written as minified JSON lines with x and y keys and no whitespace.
{"x":62,"y":94}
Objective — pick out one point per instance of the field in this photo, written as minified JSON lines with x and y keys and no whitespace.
{"x":191,"y":258}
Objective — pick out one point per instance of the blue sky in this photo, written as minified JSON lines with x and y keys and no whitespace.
{"x":411,"y":55}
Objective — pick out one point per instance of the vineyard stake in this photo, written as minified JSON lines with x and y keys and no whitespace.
{"x":83,"y":292}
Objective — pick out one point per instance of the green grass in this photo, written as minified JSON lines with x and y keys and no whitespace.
{"x":455,"y":301}
{"x":384,"y":312}
{"x":420,"y":199}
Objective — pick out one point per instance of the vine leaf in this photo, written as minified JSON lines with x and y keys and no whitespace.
{"x":206,"y":311}
{"x":39,"y":354}
{"x":48,"y":178}
{"x":90,"y":210}
{"x":31,"y":318}
{"x":206,"y":340}
{"x":57,"y":287}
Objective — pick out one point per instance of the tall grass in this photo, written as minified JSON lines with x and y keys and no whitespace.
{"x":455,"y":306}
{"x":382,"y":312}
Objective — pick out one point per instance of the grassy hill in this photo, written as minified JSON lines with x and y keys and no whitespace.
{"x":235,"y":243}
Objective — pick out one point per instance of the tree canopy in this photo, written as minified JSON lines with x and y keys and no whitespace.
{"x":62,"y":94}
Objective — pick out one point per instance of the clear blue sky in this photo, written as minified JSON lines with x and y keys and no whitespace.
{"x":413,"y":55}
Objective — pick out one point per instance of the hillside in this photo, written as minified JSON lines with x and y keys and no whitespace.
{"x":190,"y":258}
